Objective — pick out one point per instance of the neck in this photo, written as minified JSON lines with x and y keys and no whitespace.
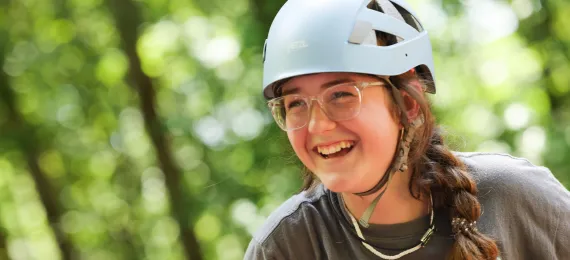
{"x":397,"y":205}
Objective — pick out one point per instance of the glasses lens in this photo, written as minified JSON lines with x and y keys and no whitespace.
{"x":290,"y":112}
{"x":342,"y":102}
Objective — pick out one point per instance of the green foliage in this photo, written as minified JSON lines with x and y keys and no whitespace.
{"x":78,"y":117}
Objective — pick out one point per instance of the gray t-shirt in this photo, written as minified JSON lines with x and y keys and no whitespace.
{"x":525,"y":209}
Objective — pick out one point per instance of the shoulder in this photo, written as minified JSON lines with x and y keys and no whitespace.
{"x":294,"y":212}
{"x":521,"y":202}
{"x":509,"y":186}
{"x":292,"y":225}
{"x":506,"y":172}
{"x":306,"y":226}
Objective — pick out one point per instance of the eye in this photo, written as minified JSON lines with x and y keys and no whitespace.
{"x":341,"y":94}
{"x":295,"y":103}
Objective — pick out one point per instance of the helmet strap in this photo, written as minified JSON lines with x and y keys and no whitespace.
{"x":400,"y":161}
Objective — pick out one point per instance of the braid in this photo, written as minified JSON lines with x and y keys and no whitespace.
{"x":435,"y":169}
{"x":453,"y":187}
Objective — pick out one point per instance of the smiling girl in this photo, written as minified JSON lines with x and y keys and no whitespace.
{"x":347,"y":81}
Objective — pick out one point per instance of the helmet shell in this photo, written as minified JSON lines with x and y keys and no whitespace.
{"x":316,"y":36}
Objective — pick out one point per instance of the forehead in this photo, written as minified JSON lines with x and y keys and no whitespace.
{"x":314,"y":82}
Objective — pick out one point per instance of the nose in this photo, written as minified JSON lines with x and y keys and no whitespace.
{"x":319,"y":122}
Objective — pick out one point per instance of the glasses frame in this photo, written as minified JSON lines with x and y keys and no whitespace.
{"x":360,"y":86}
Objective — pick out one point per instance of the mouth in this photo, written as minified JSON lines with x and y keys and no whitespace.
{"x":335,"y":150}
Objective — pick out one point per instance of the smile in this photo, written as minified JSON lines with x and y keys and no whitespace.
{"x":335,"y":150}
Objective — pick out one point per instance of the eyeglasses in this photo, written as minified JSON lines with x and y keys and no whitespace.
{"x":339,"y":102}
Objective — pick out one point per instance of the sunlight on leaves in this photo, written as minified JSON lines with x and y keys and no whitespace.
{"x":112,"y":67}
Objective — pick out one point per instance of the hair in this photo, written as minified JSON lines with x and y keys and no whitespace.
{"x":434,"y":168}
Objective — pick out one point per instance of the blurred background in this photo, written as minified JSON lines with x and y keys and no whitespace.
{"x":136,"y":129}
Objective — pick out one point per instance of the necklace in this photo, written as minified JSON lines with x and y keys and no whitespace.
{"x":423,"y":241}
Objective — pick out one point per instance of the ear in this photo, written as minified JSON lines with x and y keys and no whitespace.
{"x":412,"y":106}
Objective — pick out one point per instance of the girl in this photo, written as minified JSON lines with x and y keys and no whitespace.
{"x":346,"y":80}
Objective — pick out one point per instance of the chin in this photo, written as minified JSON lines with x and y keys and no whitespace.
{"x":337,"y":185}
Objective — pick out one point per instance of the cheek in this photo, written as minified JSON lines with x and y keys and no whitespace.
{"x":379,"y":130}
{"x":298,"y":140}
{"x":379,"y":113}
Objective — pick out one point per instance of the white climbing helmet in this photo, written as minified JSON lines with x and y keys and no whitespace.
{"x":315,"y":36}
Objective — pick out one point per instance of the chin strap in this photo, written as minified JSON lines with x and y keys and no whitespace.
{"x":402,"y":137}
{"x":400,"y":161}
{"x":400,"y":165}
{"x":386,"y":178}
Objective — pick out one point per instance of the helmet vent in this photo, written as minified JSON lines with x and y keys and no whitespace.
{"x":403,"y":13}
{"x":409,"y":18}
{"x":382,"y":38}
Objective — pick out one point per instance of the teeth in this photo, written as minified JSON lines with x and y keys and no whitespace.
{"x":326,"y":150}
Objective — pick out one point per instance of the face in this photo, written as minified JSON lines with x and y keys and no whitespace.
{"x":373,"y":135}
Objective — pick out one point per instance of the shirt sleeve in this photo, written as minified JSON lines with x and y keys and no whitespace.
{"x":527,"y":208}
{"x":256,"y":251}
{"x":541,"y":205}
{"x":557,"y":199}
{"x":562,"y":231}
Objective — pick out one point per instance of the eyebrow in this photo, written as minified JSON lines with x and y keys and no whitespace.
{"x":329,"y":84}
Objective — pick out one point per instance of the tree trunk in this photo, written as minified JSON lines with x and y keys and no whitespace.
{"x":127,"y":17}
{"x":18,"y":128}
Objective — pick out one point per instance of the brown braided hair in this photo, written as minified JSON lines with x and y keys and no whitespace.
{"x":434,"y":168}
